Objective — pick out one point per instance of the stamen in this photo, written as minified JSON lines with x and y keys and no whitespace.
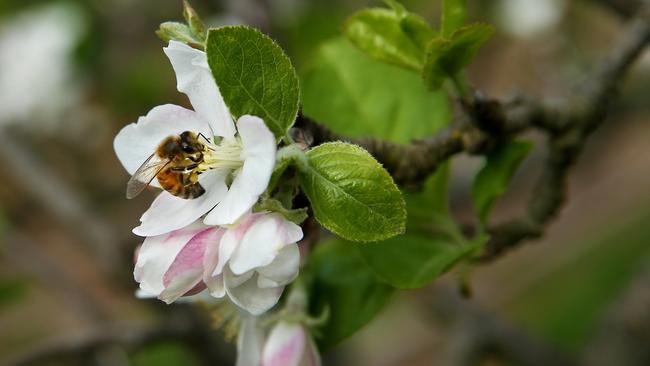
{"x":225,"y":155}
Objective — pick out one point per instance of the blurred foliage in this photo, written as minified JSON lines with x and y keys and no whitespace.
{"x":11,"y":290}
{"x":357,"y":96}
{"x":166,"y":354}
{"x":345,"y":287}
{"x":566,"y":304}
{"x":147,"y":80}
{"x":492,"y":180}
{"x":448,"y":57}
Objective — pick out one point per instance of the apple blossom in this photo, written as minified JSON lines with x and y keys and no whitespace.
{"x":254,"y":260}
{"x":245,"y":153}
{"x":250,"y":262}
{"x":287,"y":344}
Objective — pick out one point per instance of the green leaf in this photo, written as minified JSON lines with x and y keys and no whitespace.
{"x":427,"y":208}
{"x":436,"y":189}
{"x":369,"y":98}
{"x":492,"y":180}
{"x":342,"y":282}
{"x":412,"y":261}
{"x":254,"y":76}
{"x":180,"y":32}
{"x":351,"y":194}
{"x":294,"y":215}
{"x":397,"y":7}
{"x":390,"y":36}
{"x":447,"y":57}
{"x":454,"y":14}
{"x":194,"y":21}
{"x":279,"y":169}
{"x":433,"y":243}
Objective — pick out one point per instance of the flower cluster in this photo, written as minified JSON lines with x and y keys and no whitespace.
{"x":213,"y":242}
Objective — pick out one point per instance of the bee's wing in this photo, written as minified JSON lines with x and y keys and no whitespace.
{"x":145,"y":174}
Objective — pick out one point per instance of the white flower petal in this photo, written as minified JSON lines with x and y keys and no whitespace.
{"x":236,"y":203}
{"x":216,"y":285}
{"x":137,"y":141}
{"x":282,"y":270}
{"x":259,"y":149}
{"x":157,"y":254}
{"x":263,"y":241}
{"x":249,"y":343}
{"x":285,"y":345}
{"x":230,"y":242}
{"x":168,"y":212}
{"x":236,"y":280}
{"x":186,"y":272}
{"x":195,"y":80}
{"x":249,"y":297}
{"x":142,"y":294}
{"x":259,"y":152}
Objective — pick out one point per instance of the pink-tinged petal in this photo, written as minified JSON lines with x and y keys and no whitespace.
{"x":186,"y":272}
{"x":182,"y":283}
{"x":282,"y":270}
{"x":197,"y":289}
{"x":285,"y":345}
{"x":311,"y":356}
{"x":231,"y":240}
{"x":137,"y":141}
{"x":248,"y":296}
{"x":249,"y":343}
{"x":210,"y":260}
{"x":156,"y":256}
{"x":195,"y":80}
{"x":259,"y":149}
{"x":263,"y":241}
{"x":168,"y":213}
{"x":202,"y":297}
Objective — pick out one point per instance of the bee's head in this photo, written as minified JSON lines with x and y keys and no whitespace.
{"x":189,"y":143}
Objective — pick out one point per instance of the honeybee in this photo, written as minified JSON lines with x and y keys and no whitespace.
{"x":174,"y":164}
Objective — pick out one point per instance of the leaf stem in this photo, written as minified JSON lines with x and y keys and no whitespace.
{"x":288,"y":139}
{"x":460,"y":85}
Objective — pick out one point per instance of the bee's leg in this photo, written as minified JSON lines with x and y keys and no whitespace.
{"x":184,"y":168}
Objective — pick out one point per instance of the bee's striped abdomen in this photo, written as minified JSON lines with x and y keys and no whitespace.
{"x":178,"y":185}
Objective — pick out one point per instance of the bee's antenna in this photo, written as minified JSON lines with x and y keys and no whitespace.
{"x":206,"y":139}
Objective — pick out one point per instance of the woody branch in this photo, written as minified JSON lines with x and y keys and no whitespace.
{"x":485,"y":122}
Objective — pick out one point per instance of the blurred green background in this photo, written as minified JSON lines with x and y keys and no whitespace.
{"x":72,"y":73}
